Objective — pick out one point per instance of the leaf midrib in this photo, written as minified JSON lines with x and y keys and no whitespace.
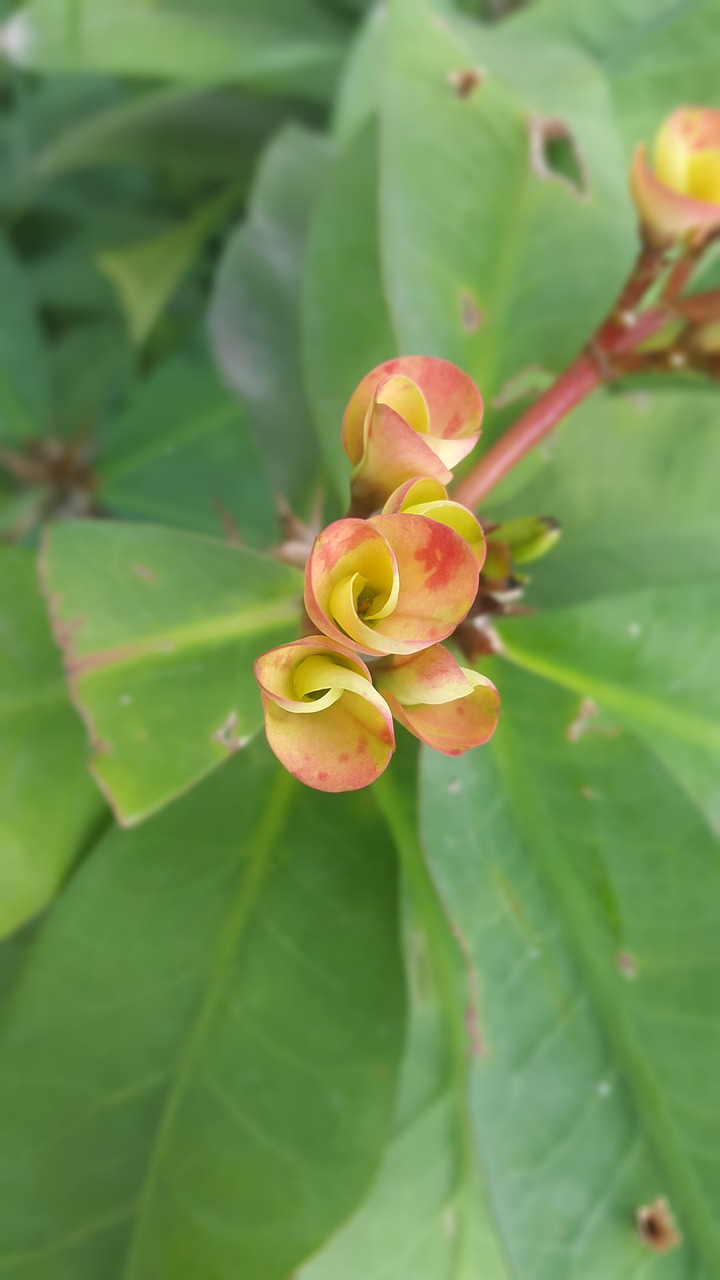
{"x":192,"y":636}
{"x":628,"y":703}
{"x":648,"y":1098}
{"x":435,"y":925}
{"x":262,"y":845}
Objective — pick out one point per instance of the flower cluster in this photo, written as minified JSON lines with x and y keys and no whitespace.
{"x":390,"y":582}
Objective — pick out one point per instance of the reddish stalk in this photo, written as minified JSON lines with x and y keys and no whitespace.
{"x":592,"y":367}
{"x":611,"y":352}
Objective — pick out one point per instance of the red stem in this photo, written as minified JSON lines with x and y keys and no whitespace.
{"x":621,"y":332}
{"x":582,"y":376}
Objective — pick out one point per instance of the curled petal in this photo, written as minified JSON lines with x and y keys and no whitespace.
{"x":680,"y":197}
{"x":425,"y":496}
{"x":415,"y":415}
{"x":448,"y":707}
{"x":393,"y":584}
{"x":324,"y":720}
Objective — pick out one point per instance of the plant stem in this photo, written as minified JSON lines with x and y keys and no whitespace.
{"x":620,"y":332}
{"x":582,"y":376}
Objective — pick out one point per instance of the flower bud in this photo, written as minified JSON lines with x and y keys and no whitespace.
{"x":679,"y":198}
{"x":413,"y":416}
{"x":427,"y":497}
{"x":518,"y":542}
{"x":324,"y":720}
{"x":392,"y":584}
{"x":448,"y":707}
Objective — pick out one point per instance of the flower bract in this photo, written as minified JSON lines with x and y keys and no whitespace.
{"x":427,"y":497}
{"x":324,"y":720}
{"x":412,"y":416}
{"x":448,"y":707}
{"x":392,"y":584}
{"x":678,"y":197}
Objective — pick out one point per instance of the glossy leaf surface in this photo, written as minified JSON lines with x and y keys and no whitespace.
{"x":160,"y":630}
{"x":200,"y":977}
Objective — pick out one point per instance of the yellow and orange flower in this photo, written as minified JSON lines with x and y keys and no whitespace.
{"x":427,"y":497}
{"x":448,"y":707}
{"x":412,"y":416}
{"x":392,"y":584}
{"x":679,"y":198}
{"x":324,"y":720}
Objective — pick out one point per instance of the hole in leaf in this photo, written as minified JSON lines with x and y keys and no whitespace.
{"x":555,"y":155}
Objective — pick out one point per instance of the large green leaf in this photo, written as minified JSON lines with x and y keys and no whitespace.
{"x":254,"y":317}
{"x":491,"y":261}
{"x":199,"y":1057}
{"x":428,"y":1216}
{"x":293,"y":43}
{"x":48,"y":806}
{"x":24,"y":401}
{"x":585,"y":887}
{"x":160,"y":630}
{"x":181,"y":453}
{"x":655,"y":56}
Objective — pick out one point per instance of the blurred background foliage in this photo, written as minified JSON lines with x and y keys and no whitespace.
{"x":215,"y":217}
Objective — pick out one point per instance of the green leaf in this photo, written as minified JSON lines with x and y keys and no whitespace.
{"x":649,"y":659}
{"x":492,"y":259}
{"x":347,"y":328}
{"x":199,"y":1059}
{"x":428,"y":1215}
{"x":24,"y":400}
{"x":631,"y":479}
{"x":48,"y":805}
{"x":160,"y":630}
{"x":254,"y":316}
{"x":293,"y":43}
{"x":181,"y":453}
{"x":655,"y":57}
{"x":584,"y":886}
{"x":147,"y":275}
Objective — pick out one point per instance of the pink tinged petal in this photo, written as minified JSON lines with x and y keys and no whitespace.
{"x":324,"y":720}
{"x":415,"y":415}
{"x":438,"y":576}
{"x":393,"y":584}
{"x":448,"y":707}
{"x":424,"y":496}
{"x":393,"y":451}
{"x":665,"y":214}
{"x":351,"y":573}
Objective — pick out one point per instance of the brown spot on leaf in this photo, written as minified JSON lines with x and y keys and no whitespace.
{"x":584,"y":722}
{"x":466,"y":81}
{"x":142,"y":571}
{"x":471,"y":317}
{"x":227,"y":736}
{"x":656,"y":1226}
{"x":477,"y":1047}
{"x":627,"y":965}
{"x":555,"y":155}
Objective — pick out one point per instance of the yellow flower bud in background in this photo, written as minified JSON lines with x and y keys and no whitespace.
{"x":679,"y":197}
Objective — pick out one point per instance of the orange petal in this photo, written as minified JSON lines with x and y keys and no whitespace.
{"x":425,"y":496}
{"x":438,"y":576}
{"x":393,"y":584}
{"x":324,"y":720}
{"x":665,"y":214}
{"x":351,"y":572}
{"x":393,"y":451}
{"x":415,"y":415}
{"x":448,"y":707}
